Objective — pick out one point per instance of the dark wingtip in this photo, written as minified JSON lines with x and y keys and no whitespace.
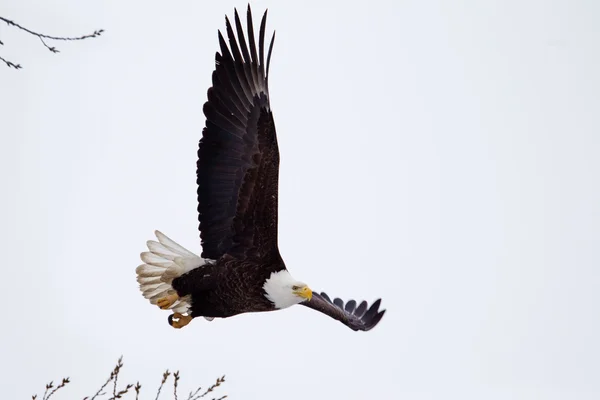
{"x":270,"y":52}
{"x":249,"y":11}
{"x":372,"y":311}
{"x":373,"y":316}
{"x":375,"y":320}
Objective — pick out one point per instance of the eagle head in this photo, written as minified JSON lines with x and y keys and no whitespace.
{"x":285,"y":291}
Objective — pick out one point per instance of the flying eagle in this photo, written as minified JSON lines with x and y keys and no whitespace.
{"x":240,"y":269}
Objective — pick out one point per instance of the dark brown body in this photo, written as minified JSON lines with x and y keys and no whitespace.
{"x":226,"y":288}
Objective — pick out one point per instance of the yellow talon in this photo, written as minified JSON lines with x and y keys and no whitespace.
{"x":178,"y":320}
{"x":167,"y":301}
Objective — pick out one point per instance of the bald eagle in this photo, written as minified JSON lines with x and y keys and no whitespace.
{"x":240,"y":269}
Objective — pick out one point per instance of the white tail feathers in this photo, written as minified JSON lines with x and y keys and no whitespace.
{"x":165,"y":261}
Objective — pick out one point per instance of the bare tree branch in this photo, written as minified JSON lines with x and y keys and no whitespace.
{"x":124,"y":392}
{"x":43,"y":36}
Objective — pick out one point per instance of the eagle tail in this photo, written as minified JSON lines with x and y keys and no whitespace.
{"x":165,"y":261}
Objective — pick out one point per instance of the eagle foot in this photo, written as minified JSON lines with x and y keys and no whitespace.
{"x":178,"y":320}
{"x":167,"y":301}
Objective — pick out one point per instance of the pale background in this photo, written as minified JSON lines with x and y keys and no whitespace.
{"x":441,"y":155}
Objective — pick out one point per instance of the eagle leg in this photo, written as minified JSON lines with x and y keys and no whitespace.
{"x":178,"y":320}
{"x":167,"y":301}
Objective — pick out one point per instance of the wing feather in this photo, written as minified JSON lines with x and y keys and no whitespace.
{"x":246,"y":54}
{"x":360,"y":310}
{"x":239,"y":62}
{"x":261,"y":43}
{"x":258,"y":77}
{"x":350,"y":306}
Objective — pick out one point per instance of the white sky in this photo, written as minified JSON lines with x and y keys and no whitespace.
{"x":440,"y":155}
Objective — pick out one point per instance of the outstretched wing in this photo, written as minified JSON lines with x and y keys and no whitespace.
{"x":361,"y":318}
{"x":238,"y":157}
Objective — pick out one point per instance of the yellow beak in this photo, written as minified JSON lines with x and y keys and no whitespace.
{"x":304,"y":292}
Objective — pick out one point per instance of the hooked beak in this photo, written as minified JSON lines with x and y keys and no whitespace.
{"x":304,"y":292}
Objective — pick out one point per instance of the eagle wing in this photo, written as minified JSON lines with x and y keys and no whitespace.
{"x":238,"y":156}
{"x":361,"y":318}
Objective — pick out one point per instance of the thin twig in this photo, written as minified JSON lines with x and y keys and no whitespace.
{"x":48,"y":387}
{"x":115,"y":382}
{"x":11,"y":64}
{"x":64,"y":382}
{"x":52,"y":49}
{"x":112,"y":376}
{"x":137,"y":391}
{"x":164,"y":379}
{"x":210,"y":389}
{"x":122,"y":392}
{"x":176,"y":376}
{"x":192,"y":395}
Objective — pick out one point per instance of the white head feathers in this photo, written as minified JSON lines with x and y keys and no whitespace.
{"x":284,"y":291}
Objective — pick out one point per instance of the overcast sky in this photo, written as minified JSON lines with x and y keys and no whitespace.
{"x":441,"y":155}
